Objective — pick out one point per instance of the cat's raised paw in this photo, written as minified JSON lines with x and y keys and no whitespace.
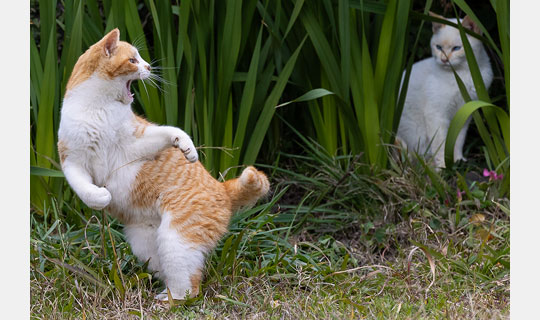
{"x":98,"y":199}
{"x":187,"y":147}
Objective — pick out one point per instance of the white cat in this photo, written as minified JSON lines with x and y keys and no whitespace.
{"x":433,"y":97}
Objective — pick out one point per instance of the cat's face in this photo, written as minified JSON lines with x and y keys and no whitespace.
{"x":115,"y":61}
{"x":446,"y":44}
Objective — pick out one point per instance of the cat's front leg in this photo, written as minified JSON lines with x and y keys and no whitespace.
{"x":460,"y":141}
{"x":436,"y":134}
{"x":81,"y":182}
{"x":157,"y":138}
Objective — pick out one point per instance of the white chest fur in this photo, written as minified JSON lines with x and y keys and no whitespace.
{"x":102,"y":155}
{"x":98,"y":132}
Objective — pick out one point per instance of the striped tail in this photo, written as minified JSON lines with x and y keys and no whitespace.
{"x":248,"y":188}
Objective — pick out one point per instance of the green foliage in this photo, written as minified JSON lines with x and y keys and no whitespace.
{"x":353,"y":50}
{"x":225,"y":66}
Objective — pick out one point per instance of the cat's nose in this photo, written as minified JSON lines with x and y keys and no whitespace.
{"x":444,"y":60}
{"x":148,"y":67}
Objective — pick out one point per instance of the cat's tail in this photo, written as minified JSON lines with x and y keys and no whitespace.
{"x":248,"y":188}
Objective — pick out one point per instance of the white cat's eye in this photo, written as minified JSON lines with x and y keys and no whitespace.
{"x":133,"y":60}
{"x":456,"y":48}
{"x":438,"y":47}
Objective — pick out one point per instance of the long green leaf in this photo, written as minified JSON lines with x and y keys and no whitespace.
{"x":310,"y":95}
{"x":44,"y":134}
{"x":247,"y":100}
{"x":461,"y":117}
{"x":148,"y":94}
{"x":45,"y":172}
{"x":75,"y":45}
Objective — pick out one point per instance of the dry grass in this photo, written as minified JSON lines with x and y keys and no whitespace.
{"x":395,"y":288}
{"x":386,"y":246}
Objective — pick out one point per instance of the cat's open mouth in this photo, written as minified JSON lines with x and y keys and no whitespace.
{"x":128,"y":95}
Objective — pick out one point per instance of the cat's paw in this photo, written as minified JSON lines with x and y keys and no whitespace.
{"x":164,"y":296}
{"x":184,"y":143}
{"x":98,"y":198}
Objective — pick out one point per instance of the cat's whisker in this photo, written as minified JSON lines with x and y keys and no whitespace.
{"x":156,"y":76}
{"x":153,"y":84}
{"x":144,"y":85}
{"x":156,"y":85}
{"x":156,"y":60}
{"x":162,"y":80}
{"x":165,"y":68}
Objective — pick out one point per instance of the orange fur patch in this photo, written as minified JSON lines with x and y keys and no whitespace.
{"x":252,"y":185}
{"x":106,"y":64}
{"x":62,"y":151}
{"x":200,"y":205}
{"x":118,"y":64}
{"x":195,"y":280}
{"x":140,"y":124}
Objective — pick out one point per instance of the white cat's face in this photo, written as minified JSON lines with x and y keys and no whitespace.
{"x":447,"y":47}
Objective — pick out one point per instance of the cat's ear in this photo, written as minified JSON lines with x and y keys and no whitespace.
{"x":110,"y":42}
{"x":436,"y":25}
{"x":471,"y":25}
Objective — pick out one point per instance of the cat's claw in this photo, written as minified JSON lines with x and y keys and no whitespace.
{"x":187,"y":147}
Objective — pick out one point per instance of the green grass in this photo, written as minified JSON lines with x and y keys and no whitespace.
{"x":330,"y":242}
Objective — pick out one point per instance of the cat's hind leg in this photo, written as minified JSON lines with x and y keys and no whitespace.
{"x":142,"y":238}
{"x":181,"y":261}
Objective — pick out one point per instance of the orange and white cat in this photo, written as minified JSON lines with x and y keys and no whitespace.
{"x":146,"y":175}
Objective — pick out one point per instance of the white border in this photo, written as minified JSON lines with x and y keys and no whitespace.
{"x":15,"y":135}
{"x":525,"y":114}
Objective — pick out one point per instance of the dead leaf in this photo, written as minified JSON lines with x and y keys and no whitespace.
{"x":444,"y":250}
{"x":477,"y":219}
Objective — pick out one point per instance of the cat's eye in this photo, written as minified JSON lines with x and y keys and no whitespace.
{"x":438,"y":47}
{"x":133,"y":60}
{"x":456,"y":48}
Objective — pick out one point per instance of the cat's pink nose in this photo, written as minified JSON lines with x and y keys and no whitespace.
{"x":148,"y":67}
{"x":444,"y":60}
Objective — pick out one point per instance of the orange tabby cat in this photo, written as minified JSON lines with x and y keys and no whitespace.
{"x":146,"y":175}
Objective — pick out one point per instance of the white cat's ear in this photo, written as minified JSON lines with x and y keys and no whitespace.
{"x":110,"y":41}
{"x":436,"y":25}
{"x":469,"y":24}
